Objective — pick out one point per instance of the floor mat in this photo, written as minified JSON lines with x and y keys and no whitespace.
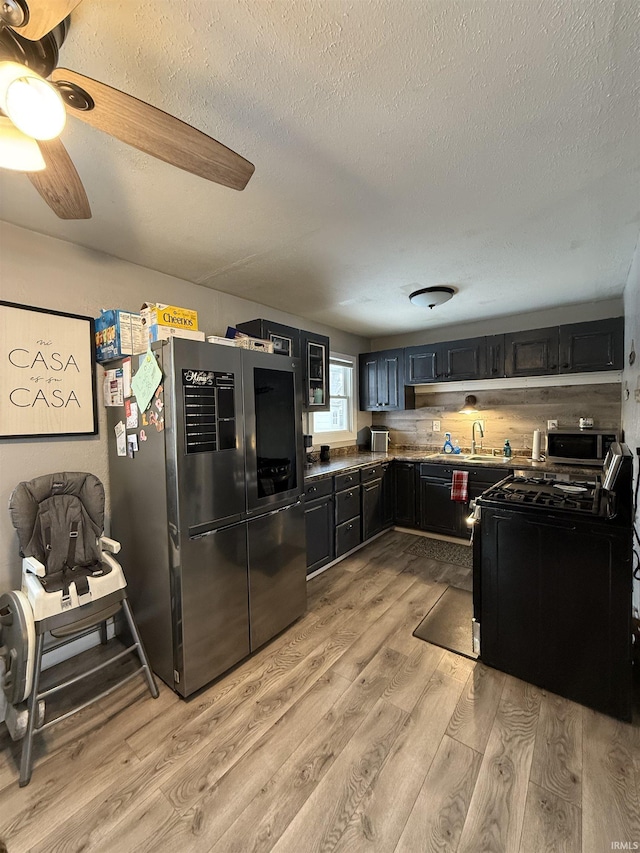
{"x":448,"y":623}
{"x":446,"y":552}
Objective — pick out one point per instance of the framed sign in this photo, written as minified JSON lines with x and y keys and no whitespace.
{"x":47,"y":373}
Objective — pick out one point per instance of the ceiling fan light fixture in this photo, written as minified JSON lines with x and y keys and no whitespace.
{"x":32,"y":103}
{"x":18,"y":151}
{"x":429,"y":297}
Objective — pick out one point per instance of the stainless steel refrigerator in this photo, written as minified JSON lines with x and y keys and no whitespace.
{"x":208,"y":508}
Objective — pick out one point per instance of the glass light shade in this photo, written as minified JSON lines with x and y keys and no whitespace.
{"x":429,"y":297}
{"x":32,"y":104}
{"x":469,"y":406}
{"x":18,"y":151}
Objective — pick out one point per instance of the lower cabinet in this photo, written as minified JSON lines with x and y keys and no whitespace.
{"x":320,"y":524}
{"x":405,"y":493}
{"x":436,"y":511}
{"x":347,"y":536}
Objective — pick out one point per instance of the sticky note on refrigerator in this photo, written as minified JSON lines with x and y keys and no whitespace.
{"x":121,"y":438}
{"x":147,"y":378}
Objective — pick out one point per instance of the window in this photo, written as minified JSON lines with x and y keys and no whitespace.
{"x":339,"y":423}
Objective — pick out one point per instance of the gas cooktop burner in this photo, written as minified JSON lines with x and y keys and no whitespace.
{"x":540,"y":493}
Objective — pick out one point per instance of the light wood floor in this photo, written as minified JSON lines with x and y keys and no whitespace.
{"x":344,"y":734}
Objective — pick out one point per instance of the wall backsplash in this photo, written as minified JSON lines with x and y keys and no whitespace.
{"x":507,"y":413}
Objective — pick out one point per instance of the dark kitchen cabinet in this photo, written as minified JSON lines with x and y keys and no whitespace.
{"x":315,"y":371}
{"x":388,"y":494}
{"x":555,"y":606}
{"x":465,"y":359}
{"x":382,"y":385}
{"x":495,"y":356}
{"x":598,"y":345}
{"x":285,"y":339}
{"x":436,"y":511}
{"x":371,"y":508}
{"x":319,"y":522}
{"x":405,"y":494}
{"x":532,"y":353}
{"x":423,"y":364}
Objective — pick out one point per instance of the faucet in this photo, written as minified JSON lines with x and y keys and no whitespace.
{"x":473,"y":435}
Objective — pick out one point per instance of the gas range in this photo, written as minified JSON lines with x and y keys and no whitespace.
{"x":539,"y":493}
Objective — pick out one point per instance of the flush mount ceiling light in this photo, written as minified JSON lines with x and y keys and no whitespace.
{"x":17,"y":150}
{"x":32,"y":104}
{"x":469,"y":406}
{"x":429,"y":297}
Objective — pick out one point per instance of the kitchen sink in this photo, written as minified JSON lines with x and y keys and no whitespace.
{"x":480,"y":457}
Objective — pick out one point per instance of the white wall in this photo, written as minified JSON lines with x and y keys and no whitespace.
{"x":49,"y":273}
{"x":582,"y":312}
{"x":631,"y":379}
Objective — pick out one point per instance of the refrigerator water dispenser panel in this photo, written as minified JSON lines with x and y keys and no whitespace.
{"x":209,"y":410}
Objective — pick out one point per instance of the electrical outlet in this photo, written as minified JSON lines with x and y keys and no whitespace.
{"x":552,"y":424}
{"x":436,"y":426}
{"x":636,"y":394}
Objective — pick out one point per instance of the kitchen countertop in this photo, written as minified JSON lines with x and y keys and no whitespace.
{"x":342,"y":464}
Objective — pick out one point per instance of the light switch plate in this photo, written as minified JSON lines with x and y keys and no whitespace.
{"x":552,"y":424}
{"x":436,"y":426}
{"x":637,"y":395}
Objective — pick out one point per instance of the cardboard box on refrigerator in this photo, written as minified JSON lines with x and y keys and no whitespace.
{"x":119,"y":333}
{"x":163,"y":333}
{"x":157,"y":314}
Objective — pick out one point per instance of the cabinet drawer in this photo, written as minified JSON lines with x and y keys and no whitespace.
{"x":347,"y":536}
{"x":318,"y":488}
{"x":347,"y":504}
{"x":344,"y":481}
{"x":371,"y":472}
{"x":440,"y":472}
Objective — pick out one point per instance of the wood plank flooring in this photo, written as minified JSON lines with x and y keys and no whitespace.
{"x":344,"y":734}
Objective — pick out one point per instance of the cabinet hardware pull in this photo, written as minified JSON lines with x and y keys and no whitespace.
{"x":312,"y":489}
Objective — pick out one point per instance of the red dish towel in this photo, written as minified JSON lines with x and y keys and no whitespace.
{"x":460,"y":486}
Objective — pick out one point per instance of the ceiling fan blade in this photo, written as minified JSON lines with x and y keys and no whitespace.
{"x":44,"y":15}
{"x":59,"y":183}
{"x":153,"y":131}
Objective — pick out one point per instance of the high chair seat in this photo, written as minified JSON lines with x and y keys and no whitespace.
{"x":71,"y":586}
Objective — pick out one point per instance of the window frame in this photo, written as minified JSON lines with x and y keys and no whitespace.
{"x":335,"y":437}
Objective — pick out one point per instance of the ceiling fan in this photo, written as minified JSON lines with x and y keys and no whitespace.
{"x":33,"y":112}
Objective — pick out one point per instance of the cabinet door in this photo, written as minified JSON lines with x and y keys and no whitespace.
{"x":495,"y":356}
{"x":391,"y":380}
{"x":592,"y":346}
{"x":318,"y":516}
{"x":405,"y":492}
{"x":388,"y":494}
{"x":285,"y":339}
{"x":371,"y":508}
{"x":315,"y":371}
{"x":347,"y":504}
{"x":465,"y":359}
{"x":532,"y":353}
{"x":369,"y":364}
{"x":437,"y":512}
{"x":423,"y":364}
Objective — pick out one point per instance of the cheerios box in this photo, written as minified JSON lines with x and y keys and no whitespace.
{"x":119,"y":333}
{"x":157,"y":314}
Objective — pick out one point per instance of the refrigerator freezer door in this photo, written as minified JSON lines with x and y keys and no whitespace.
{"x":205,"y":441}
{"x":277,"y":572}
{"x":213,"y":633}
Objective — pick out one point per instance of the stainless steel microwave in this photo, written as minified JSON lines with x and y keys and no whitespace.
{"x":579,"y":446}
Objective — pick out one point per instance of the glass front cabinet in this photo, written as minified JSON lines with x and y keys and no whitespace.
{"x":315,"y":370}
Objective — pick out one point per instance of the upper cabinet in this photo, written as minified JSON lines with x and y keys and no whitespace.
{"x":310,"y":348}
{"x":592,"y":346}
{"x":465,"y":359}
{"x":532,"y":353}
{"x":315,"y":371}
{"x":495,"y":356}
{"x":446,"y":362}
{"x":423,"y":364}
{"x":382,"y":382}
{"x":285,"y":339}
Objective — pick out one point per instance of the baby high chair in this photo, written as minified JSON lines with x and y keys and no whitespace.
{"x":71,"y":586}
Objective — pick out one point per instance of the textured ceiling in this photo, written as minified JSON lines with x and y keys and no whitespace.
{"x":493,"y":146}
